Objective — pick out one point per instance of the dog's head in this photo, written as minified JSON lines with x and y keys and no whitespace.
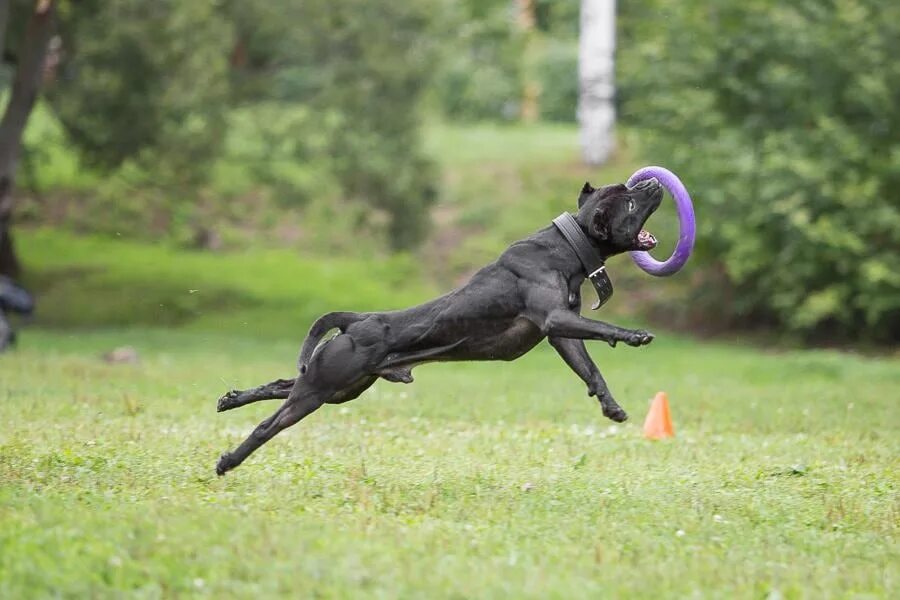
{"x":614,"y":215}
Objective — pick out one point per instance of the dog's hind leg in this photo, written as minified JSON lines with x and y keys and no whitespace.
{"x":280,"y":389}
{"x":303,"y":401}
{"x":352,"y":392}
{"x":338,"y":372}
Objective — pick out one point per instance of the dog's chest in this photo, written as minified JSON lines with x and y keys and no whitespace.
{"x":574,"y":299}
{"x":521,"y":336}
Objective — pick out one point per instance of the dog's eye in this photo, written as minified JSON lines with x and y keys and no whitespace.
{"x":630,"y":205}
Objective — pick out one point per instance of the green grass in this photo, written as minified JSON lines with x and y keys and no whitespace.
{"x":84,"y":282}
{"x":476,"y":143}
{"x":479,"y":480}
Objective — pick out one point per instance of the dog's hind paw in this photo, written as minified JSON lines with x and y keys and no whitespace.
{"x":397,"y":375}
{"x":224,"y":465}
{"x":228,"y":401}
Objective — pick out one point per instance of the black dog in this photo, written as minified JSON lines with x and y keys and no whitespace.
{"x":531,"y":292}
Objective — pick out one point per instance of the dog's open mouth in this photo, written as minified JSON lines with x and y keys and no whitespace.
{"x":646,"y":240}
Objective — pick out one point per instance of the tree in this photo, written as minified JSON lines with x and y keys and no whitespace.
{"x":480,"y":72}
{"x":146,"y":82}
{"x":40,"y":25}
{"x":148,"y":90}
{"x":360,"y":69}
{"x":596,"y":72}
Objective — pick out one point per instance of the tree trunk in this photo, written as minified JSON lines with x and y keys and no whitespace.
{"x":529,"y":111}
{"x":23,"y":95}
{"x":596,"y":77}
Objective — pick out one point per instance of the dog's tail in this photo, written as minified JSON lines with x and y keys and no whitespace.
{"x":324,"y":324}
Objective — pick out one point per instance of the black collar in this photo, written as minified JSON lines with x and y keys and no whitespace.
{"x":591,"y":261}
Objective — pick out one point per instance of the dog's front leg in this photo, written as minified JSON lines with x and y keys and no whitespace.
{"x":567,"y":324}
{"x":576,"y":356}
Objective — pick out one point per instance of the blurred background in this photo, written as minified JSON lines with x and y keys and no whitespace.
{"x":244,"y":166}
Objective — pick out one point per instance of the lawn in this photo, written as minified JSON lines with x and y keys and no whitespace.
{"x":93,"y":281}
{"x":478,"y":480}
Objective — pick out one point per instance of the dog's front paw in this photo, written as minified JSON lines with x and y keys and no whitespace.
{"x":639,"y":337}
{"x":612,"y":410}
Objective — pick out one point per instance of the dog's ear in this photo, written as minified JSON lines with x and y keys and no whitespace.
{"x":600,"y":223}
{"x":586,"y":191}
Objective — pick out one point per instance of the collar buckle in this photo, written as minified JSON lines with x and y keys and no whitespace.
{"x":602,"y":285}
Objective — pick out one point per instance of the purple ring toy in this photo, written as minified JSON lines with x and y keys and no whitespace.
{"x":686,"y":221}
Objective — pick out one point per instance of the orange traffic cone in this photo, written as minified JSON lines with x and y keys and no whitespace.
{"x":658,"y":424}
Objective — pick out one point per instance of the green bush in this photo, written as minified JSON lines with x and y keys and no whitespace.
{"x":189,"y":105}
{"x":557,"y":72}
{"x":479,"y":76}
{"x":783,"y":119}
{"x":146,"y":82}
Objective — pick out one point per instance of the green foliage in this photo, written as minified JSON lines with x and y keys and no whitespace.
{"x":274,"y":146}
{"x":151,"y":91}
{"x":146,"y":81}
{"x":778,"y":484}
{"x":360,"y":67}
{"x":783,"y":120}
{"x":479,"y":76}
{"x":487,"y":59}
{"x":559,"y":18}
{"x":557,"y":72}
{"x":49,"y":161}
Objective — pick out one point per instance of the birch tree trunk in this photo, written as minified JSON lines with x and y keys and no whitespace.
{"x":25,"y":86}
{"x":596,"y":79}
